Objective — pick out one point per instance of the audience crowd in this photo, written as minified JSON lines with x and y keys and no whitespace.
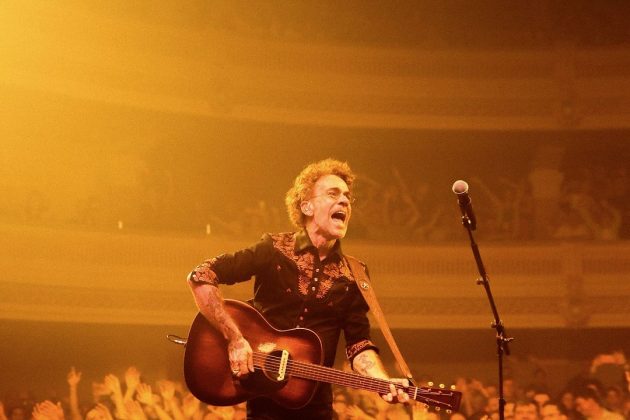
{"x":548,"y":202}
{"x":602,"y":393}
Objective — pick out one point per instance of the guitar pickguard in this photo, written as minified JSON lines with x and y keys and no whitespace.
{"x":266,"y":347}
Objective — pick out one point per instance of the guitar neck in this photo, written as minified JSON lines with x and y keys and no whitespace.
{"x":442,"y":398}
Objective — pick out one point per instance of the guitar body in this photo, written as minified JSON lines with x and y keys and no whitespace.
{"x":207,"y":369}
{"x":287,"y":366}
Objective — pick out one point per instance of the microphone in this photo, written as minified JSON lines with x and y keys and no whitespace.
{"x":460,"y":188}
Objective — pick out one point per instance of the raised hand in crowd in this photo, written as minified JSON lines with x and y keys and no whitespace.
{"x":132,"y":379}
{"x":134,"y":410}
{"x":191,"y":407}
{"x":112,"y":384}
{"x":144,"y":394}
{"x":74,"y":378}
{"x":99,"y":390}
{"x":47,"y":410}
{"x":99,"y":412}
{"x":171,"y":404}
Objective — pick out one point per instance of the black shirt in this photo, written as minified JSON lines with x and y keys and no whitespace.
{"x":293,"y":288}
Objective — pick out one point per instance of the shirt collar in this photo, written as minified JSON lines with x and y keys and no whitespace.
{"x":303,"y":242}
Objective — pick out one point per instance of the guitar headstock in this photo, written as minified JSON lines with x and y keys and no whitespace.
{"x":439,"y":398}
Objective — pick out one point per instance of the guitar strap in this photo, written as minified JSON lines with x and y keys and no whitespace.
{"x":365,"y":287}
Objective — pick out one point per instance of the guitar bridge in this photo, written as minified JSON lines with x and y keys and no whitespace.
{"x":284,"y":359}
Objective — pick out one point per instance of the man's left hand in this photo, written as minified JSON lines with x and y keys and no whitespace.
{"x":397,"y":395}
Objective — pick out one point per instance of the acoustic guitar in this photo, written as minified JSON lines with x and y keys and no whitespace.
{"x":287,"y":366}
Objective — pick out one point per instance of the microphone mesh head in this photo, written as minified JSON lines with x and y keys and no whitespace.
{"x":460,"y":187}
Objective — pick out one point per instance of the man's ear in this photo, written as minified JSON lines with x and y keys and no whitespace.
{"x":307,"y":208}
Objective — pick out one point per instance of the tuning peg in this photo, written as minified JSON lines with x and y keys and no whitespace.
{"x":449,"y":411}
{"x":453,"y":387}
{"x":441,"y":386}
{"x":437,"y":408}
{"x":430,"y":383}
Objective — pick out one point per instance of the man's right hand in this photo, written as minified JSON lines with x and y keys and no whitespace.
{"x":240,"y":357}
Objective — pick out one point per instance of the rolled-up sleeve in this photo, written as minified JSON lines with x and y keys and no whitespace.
{"x":236,"y":267}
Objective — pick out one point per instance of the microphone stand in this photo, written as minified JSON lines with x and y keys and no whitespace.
{"x":502,"y":339}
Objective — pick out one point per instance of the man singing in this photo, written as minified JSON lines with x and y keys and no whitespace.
{"x":302,"y":279}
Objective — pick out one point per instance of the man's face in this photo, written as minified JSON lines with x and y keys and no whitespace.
{"x":551,"y":412}
{"x":493,"y":405}
{"x":585,"y":405}
{"x":331,"y":208}
{"x":541,"y":398}
{"x":613,"y":398}
{"x":525,"y":412}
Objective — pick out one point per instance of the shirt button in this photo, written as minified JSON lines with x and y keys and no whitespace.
{"x":301,"y":318}
{"x":305,"y":310}
{"x":315,"y":279}
{"x":317,"y":270}
{"x":313,"y":288}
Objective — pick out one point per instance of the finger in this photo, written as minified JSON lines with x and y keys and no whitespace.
{"x":392,"y":389}
{"x":243,"y":367}
{"x":402,"y":396}
{"x":235,"y":368}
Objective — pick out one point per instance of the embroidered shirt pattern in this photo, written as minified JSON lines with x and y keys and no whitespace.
{"x":305,"y":261}
{"x":203,"y":273}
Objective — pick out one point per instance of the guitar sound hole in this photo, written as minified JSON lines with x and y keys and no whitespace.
{"x":265,"y":381}
{"x":272,"y":365}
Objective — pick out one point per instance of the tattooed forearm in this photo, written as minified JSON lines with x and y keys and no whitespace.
{"x":369,"y":364}
{"x":215,"y":312}
{"x":210,"y":303}
{"x":362,"y":362}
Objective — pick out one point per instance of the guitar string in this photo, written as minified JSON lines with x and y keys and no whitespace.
{"x":372,"y":384}
{"x":298,"y":367}
{"x":346,"y":378}
{"x":318,"y":369}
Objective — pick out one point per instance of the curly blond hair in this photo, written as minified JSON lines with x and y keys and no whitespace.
{"x":304,"y":182}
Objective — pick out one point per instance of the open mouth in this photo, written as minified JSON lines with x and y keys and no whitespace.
{"x":339,"y":215}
